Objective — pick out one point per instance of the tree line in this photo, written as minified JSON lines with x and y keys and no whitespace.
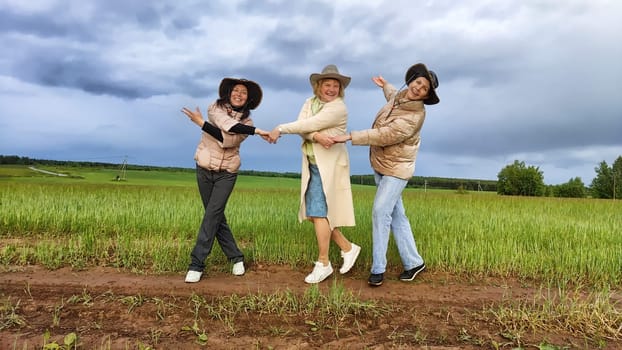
{"x":516,"y":179}
{"x":414,"y":182}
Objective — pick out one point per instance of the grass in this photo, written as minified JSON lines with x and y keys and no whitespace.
{"x":337,"y":310}
{"x":595,"y":315}
{"x":149,"y":223}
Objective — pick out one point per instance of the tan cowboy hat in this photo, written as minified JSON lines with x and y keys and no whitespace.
{"x":254,"y":91}
{"x":420,"y":70}
{"x":330,"y":72}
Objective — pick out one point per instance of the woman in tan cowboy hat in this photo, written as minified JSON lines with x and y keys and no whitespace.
{"x":394,"y":142}
{"x":218,"y":160}
{"x":325,"y":193}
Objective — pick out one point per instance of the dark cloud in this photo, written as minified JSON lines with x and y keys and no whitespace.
{"x":42,"y":25}
{"x":87,"y":73}
{"x":534,"y":79}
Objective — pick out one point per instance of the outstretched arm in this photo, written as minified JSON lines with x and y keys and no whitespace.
{"x":197,"y":118}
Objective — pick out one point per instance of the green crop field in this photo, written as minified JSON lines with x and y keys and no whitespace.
{"x":149,"y":221}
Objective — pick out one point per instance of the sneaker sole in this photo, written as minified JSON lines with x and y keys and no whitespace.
{"x":413,"y":277}
{"x":321,"y":280}
{"x":195,"y":279}
{"x":374,"y":284}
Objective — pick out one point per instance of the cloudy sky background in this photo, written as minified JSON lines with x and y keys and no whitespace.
{"x":535,"y":81}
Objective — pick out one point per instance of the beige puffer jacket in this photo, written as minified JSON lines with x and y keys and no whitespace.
{"x":395,"y":135}
{"x":214,"y":155}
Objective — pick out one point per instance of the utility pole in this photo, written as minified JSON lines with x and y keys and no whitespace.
{"x":122,"y":175}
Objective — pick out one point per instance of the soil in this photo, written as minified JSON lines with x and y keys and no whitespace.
{"x":110,"y":308}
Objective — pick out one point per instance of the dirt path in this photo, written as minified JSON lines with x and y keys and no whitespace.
{"x":433,"y":312}
{"x":45,"y":171}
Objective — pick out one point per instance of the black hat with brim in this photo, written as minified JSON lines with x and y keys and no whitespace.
{"x":420,"y":70}
{"x":254,"y":91}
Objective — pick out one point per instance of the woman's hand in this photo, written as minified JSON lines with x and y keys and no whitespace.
{"x":323,"y":140}
{"x":379,"y":80}
{"x":196,"y":116}
{"x":274,"y":134}
{"x":264,"y":134}
{"x":341,"y":138}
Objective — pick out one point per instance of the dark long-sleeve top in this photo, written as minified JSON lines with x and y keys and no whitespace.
{"x":237,"y":129}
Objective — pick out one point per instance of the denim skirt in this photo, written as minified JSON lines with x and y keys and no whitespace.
{"x":315,"y":200}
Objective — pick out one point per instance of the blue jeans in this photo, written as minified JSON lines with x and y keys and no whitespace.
{"x":388,"y":215}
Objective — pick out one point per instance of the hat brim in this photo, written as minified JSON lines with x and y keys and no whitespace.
{"x":420,"y":70}
{"x":343,"y":80}
{"x":254,"y":90}
{"x":432,"y":98}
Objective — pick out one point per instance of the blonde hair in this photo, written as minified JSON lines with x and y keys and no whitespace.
{"x":318,"y":83}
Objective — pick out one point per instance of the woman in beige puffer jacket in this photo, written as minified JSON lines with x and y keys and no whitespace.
{"x":217,"y":162}
{"x":394,"y":142}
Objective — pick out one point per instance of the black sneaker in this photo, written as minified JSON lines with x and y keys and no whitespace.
{"x":410,"y":275}
{"x":375,"y":279}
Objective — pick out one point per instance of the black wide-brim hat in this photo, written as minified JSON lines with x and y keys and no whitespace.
{"x":420,"y":70}
{"x":254,"y":90}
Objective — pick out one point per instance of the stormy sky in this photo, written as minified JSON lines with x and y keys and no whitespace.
{"x":534,"y":81}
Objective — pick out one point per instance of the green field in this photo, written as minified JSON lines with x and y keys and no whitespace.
{"x":149,"y":222}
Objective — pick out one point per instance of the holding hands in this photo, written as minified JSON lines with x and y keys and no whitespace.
{"x":323,"y":140}
{"x":264,"y":134}
{"x":274,"y":135}
{"x":197,"y":118}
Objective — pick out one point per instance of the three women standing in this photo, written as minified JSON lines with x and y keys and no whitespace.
{"x":325,"y":193}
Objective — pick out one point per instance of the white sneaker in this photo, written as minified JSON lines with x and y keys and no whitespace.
{"x":238,"y":268}
{"x":349,"y":258}
{"x":319,"y":273}
{"x":193,"y":276}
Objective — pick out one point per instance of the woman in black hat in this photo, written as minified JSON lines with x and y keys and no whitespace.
{"x":218,"y":160}
{"x":394,"y":143}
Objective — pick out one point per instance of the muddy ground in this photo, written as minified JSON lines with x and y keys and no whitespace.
{"x":109,"y":308}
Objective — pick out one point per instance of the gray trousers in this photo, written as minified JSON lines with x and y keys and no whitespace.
{"x":215,"y":188}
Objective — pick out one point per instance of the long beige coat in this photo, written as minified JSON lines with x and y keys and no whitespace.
{"x":333,"y":163}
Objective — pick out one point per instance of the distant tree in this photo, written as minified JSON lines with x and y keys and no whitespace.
{"x":571,"y":189}
{"x":602,"y":184}
{"x":608,"y":180}
{"x":519,"y":180}
{"x":14,"y":160}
